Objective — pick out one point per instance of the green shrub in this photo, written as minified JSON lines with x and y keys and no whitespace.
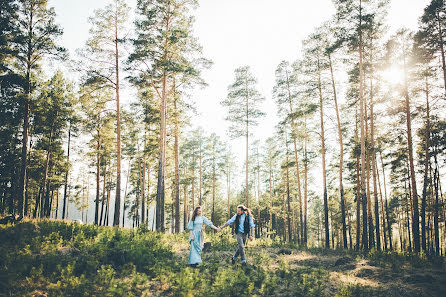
{"x":232,"y":282}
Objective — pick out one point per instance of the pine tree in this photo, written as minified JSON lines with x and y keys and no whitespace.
{"x":162,"y":28}
{"x":243,"y":102}
{"x":35,"y":39}
{"x":103,"y":57}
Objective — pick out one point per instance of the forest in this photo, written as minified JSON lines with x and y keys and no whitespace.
{"x":353,"y":170}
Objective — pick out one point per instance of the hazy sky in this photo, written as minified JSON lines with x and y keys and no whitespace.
{"x":233,"y":33}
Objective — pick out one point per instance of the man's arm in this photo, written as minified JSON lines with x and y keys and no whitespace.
{"x":229,"y":222}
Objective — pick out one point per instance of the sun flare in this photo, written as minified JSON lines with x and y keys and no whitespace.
{"x":393,"y":75}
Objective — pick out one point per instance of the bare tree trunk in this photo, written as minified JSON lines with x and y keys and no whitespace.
{"x":57,"y":203}
{"x":162,"y":159}
{"x":270,"y":197}
{"x":103,"y":196}
{"x":324,"y":177}
{"x":125,"y":191}
{"x":229,"y":188}
{"x":296,"y":159}
{"x":118,"y":129}
{"x":185,"y":212}
{"x":22,"y":178}
{"x":426,"y":169}
{"x":177,"y":177}
{"x":358,"y":206}
{"x":436,"y":207}
{"x":98,"y":174}
{"x":443,"y":62}
{"x":200,"y":198}
{"x":415,"y":220}
{"x":141,"y":186}
{"x":247,"y":135}
{"x":193,"y":181}
{"x":66,"y":174}
{"x":341,"y":156}
{"x":362,"y":122}
{"x":306,"y":183}
{"x":382,"y":206}
{"x":389,"y":226}
{"x":369,"y":203}
{"x":288,"y":190}
{"x":47,"y":207}
{"x":372,"y":151}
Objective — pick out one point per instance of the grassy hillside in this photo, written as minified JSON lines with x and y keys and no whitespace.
{"x":57,"y":258}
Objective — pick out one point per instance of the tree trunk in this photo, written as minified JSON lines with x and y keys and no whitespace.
{"x":125,"y":192}
{"x":296,"y":159}
{"x":415,"y":220}
{"x":24,"y":161}
{"x":372,"y":151}
{"x":66,"y":174}
{"x":229,"y":188}
{"x":426,"y":169}
{"x":98,"y":174}
{"x":185,"y":206}
{"x":288,"y":190}
{"x":365,"y":244}
{"x":389,"y":226}
{"x":177,"y":177}
{"x":341,"y":156}
{"x":436,"y":208}
{"x":162,"y":157}
{"x":305,"y":183}
{"x":382,"y":205}
{"x":324,"y":177}
{"x":118,"y":130}
{"x":103,"y":196}
{"x":213,"y":193}
{"x":247,"y":135}
{"x":369,"y":202}
{"x":443,"y":62}
{"x":143,"y":181}
{"x":45,"y":176}
{"x":199,"y":197}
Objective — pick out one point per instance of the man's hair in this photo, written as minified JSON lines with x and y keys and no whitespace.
{"x":244,"y":208}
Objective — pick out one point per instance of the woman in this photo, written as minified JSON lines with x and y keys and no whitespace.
{"x":196,"y":235}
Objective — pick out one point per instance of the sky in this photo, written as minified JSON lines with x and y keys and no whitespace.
{"x":234,"y":33}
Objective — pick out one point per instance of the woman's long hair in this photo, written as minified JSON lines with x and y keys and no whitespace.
{"x":195,"y":213}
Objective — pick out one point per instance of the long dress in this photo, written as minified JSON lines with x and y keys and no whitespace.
{"x":196,"y":245}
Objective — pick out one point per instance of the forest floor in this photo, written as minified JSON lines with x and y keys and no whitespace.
{"x":346,"y":275}
{"x":59,"y":258}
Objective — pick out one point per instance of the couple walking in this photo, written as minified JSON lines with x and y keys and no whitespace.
{"x":244,"y":227}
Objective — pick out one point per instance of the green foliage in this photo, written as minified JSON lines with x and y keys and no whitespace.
{"x":396,"y":260}
{"x":68,"y":259}
{"x":232,"y":283}
{"x":356,"y":290}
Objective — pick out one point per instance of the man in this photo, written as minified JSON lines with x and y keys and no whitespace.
{"x":244,"y":225}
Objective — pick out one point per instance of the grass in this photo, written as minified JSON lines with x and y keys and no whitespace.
{"x":59,"y":258}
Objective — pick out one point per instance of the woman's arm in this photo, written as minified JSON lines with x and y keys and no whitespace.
{"x":210,"y":224}
{"x":216,"y":228}
{"x":251,"y":228}
{"x":190,"y":227}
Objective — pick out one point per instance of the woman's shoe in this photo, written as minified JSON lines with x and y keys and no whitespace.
{"x":232,"y":260}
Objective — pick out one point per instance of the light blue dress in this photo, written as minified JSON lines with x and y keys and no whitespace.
{"x":196,"y":245}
